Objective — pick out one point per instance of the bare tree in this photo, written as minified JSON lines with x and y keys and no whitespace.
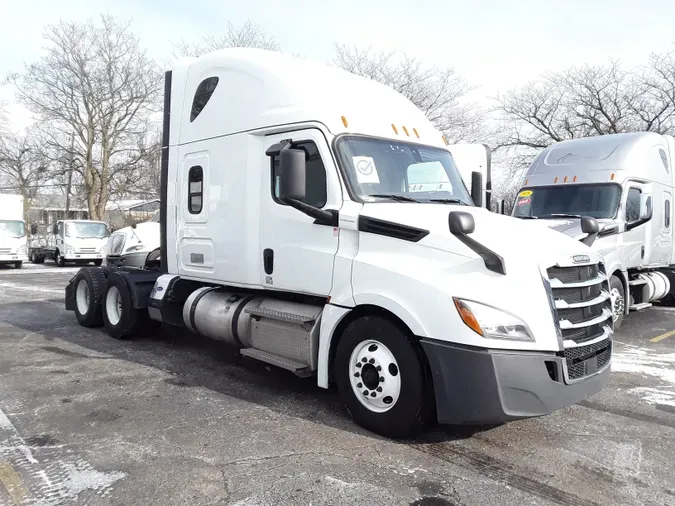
{"x":96,"y":82}
{"x":586,"y":101}
{"x":247,"y":35}
{"x":438,"y":91}
{"x":23,"y":166}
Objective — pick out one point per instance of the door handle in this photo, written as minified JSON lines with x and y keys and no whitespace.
{"x":268,"y":261}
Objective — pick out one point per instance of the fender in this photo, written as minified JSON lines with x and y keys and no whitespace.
{"x":140,"y":283}
{"x":333,"y":315}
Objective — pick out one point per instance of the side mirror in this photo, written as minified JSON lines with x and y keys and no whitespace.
{"x":591,"y":227}
{"x":55,"y":229}
{"x":33,"y":229}
{"x":461,"y":223}
{"x":502,"y":206}
{"x":477,"y":188}
{"x":292,"y":174}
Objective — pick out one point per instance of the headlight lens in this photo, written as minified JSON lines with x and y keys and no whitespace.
{"x":492,"y":323}
{"x":137,"y":247}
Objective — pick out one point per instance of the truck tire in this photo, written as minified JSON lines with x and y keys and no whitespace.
{"x":18,"y":265}
{"x":90,"y":285}
{"x":381,"y":377}
{"x":60,"y":261}
{"x":98,"y":263}
{"x":120,"y":319}
{"x":618,"y":296}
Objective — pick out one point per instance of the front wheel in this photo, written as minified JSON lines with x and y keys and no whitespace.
{"x":618,"y":297}
{"x":60,"y":261}
{"x":18,"y":265}
{"x":381,"y":378}
{"x":98,"y":263}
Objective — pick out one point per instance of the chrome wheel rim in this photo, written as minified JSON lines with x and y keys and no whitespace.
{"x":375,"y":376}
{"x":618,"y":304}
{"x":82,"y":297}
{"x":113,"y":305}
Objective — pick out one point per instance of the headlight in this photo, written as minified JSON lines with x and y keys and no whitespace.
{"x":138,"y":247}
{"x":491,"y":322}
{"x":69,"y":248}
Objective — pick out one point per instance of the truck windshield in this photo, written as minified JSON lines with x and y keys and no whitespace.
{"x":391,"y":170}
{"x":594,"y":200}
{"x":14,"y":228}
{"x":82,"y":229}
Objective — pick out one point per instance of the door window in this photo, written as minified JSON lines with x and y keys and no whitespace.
{"x":315,"y":176}
{"x":59,"y":229}
{"x":633,"y":205}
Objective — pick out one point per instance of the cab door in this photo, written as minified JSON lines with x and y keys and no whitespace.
{"x":296,"y":253}
{"x":663,"y":226}
{"x":637,"y":239}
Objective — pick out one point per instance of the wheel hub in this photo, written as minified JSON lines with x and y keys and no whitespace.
{"x":617,"y":304}
{"x":374,"y":376}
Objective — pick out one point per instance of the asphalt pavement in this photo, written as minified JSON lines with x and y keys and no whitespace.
{"x":179,"y":420}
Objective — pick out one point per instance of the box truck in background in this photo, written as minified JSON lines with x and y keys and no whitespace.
{"x":13,"y":240}
{"x":73,"y":241}
{"x":624,"y":181}
{"x":315,"y":220}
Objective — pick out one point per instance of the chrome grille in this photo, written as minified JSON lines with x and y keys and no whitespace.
{"x":584,"y":312}
{"x":5,"y":251}
{"x":87,"y":250}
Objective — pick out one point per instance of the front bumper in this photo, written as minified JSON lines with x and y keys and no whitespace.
{"x":11,"y":258}
{"x":135,"y":259}
{"x":74,"y":257}
{"x":479,"y":386}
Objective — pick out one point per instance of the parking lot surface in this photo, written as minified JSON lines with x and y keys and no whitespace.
{"x":175,"y":419}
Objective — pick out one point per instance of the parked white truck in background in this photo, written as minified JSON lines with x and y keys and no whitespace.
{"x":472,"y":160}
{"x":74,"y":241}
{"x":297,"y":225}
{"x":131,"y":245}
{"x":13,"y":240}
{"x":624,"y":181}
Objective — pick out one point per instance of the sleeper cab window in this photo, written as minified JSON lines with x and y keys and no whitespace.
{"x":316,"y":193}
{"x":202,"y":96}
{"x":195,"y":189}
{"x":667,"y":214}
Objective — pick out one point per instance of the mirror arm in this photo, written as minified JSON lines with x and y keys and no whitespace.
{"x":322,"y":217}
{"x":637,"y":223}
{"x":493,"y":262}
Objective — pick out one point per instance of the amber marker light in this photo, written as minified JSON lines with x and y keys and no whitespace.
{"x":344,"y":122}
{"x":467,"y":316}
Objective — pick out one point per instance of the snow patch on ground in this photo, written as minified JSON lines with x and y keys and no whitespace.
{"x":645,"y":362}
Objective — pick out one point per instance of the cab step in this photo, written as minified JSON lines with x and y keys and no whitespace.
{"x":270,"y":358}
{"x":641,"y":305}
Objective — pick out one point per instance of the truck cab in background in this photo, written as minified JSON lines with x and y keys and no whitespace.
{"x":625,"y":182}
{"x":316,"y":221}
{"x":473,"y":160}
{"x":131,"y":245}
{"x":76,"y":241}
{"x":13,"y":237}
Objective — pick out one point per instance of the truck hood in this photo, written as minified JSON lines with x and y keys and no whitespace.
{"x":511,"y":238}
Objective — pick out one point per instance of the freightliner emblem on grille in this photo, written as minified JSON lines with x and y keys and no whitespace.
{"x":580,"y":259}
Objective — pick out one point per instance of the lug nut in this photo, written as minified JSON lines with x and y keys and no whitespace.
{"x":381,"y":379}
{"x":364,"y":360}
{"x":372,"y":361}
{"x":359,"y":385}
{"x":373,"y":394}
{"x":365,"y":392}
{"x":379,"y":367}
{"x":379,"y":389}
{"x":356,"y":375}
{"x":358,"y":364}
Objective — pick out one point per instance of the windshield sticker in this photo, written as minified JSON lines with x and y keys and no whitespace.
{"x":525,"y":193}
{"x":366,"y":172}
{"x":523,"y":202}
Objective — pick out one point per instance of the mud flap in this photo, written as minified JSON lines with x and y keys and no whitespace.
{"x":70,"y":295}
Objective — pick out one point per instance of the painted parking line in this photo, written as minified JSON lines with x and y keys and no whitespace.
{"x":663,"y":336}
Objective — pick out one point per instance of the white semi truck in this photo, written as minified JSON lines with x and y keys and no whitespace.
{"x":13,"y":240}
{"x":131,"y":245}
{"x":72,"y":241}
{"x":624,"y":181}
{"x":298,"y":225}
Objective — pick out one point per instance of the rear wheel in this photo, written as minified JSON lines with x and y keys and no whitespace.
{"x":90,"y":284}
{"x":618,"y":297}
{"x":120,"y":318}
{"x":380,"y":376}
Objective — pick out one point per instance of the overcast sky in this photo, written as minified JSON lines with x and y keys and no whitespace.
{"x":493,"y":44}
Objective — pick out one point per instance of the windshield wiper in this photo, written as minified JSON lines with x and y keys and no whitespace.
{"x":449,"y":201}
{"x":399,"y":198}
{"x":565,"y":215}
